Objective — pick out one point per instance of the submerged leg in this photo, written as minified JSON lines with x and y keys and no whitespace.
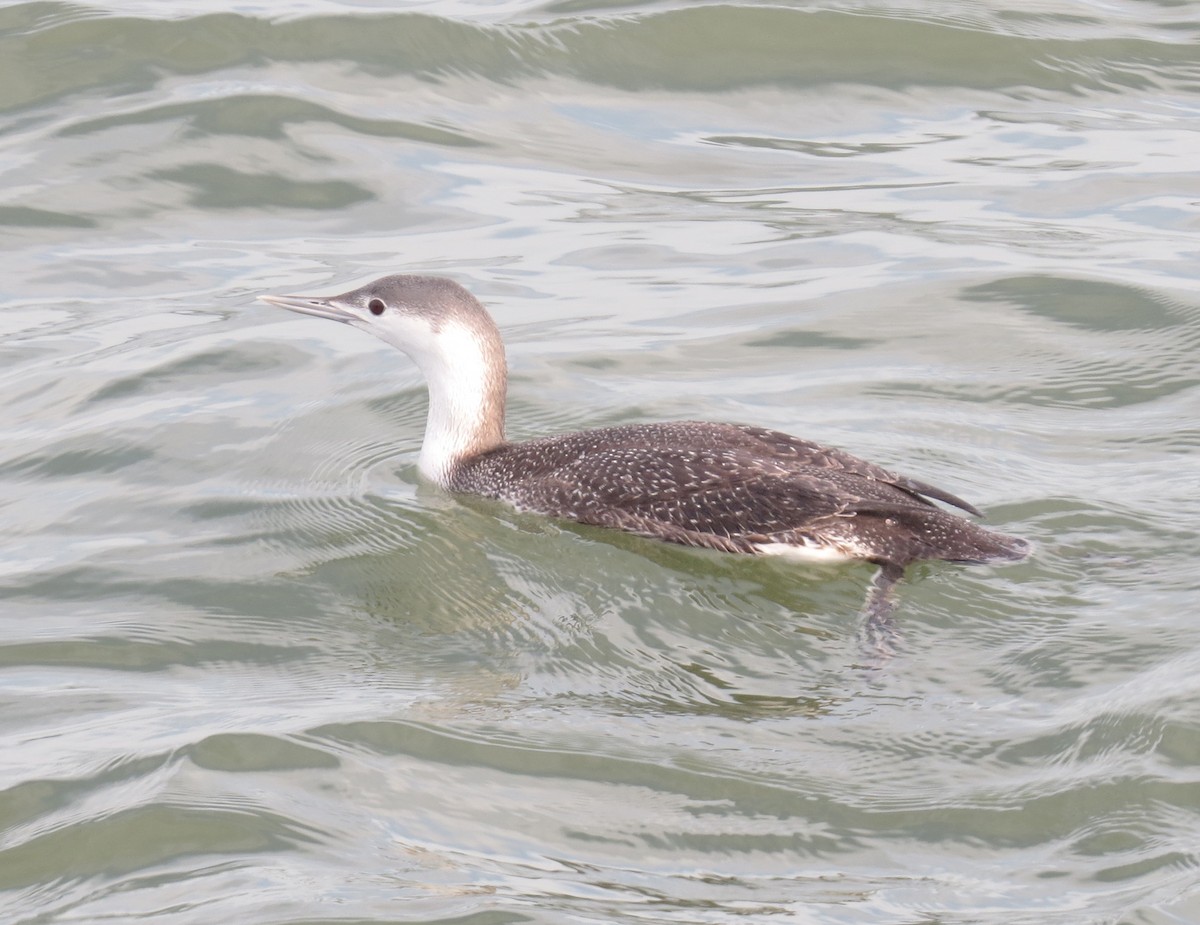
{"x":880,"y":634}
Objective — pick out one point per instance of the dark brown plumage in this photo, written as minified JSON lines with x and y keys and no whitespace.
{"x":734,"y":488}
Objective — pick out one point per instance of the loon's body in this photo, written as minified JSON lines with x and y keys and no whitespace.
{"x":729,"y":487}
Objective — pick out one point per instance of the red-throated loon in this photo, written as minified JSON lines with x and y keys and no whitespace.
{"x":729,"y":487}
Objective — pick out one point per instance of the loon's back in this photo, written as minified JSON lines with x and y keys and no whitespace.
{"x":734,"y":488}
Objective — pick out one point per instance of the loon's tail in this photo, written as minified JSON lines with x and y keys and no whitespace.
{"x":901,"y":534}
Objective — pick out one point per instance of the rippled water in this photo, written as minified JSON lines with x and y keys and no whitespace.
{"x":251,"y":671}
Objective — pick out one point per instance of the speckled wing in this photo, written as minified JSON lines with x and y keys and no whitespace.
{"x":726,"y":499}
{"x":761,"y":445}
{"x":725,"y":487}
{"x":785,"y":447}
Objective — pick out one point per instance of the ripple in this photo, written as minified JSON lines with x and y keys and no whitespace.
{"x":215,"y":186}
{"x":83,"y":849}
{"x":28,"y":217}
{"x":68,"y":461}
{"x":1094,"y":306}
{"x":268,"y":116}
{"x":671,"y":48}
{"x":247,"y":752}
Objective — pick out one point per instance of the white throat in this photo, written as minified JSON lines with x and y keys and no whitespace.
{"x":465,"y":371}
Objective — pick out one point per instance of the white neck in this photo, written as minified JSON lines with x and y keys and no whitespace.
{"x":465,"y":370}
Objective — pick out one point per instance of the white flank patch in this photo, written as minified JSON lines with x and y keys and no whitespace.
{"x":805,"y":553}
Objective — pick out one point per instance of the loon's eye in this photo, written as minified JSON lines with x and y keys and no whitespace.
{"x":376,"y":306}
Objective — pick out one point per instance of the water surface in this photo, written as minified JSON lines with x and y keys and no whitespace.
{"x":251,"y":670}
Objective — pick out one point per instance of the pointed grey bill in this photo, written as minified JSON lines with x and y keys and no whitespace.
{"x":306,"y":305}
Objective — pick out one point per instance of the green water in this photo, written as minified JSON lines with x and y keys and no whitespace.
{"x":252,"y":671}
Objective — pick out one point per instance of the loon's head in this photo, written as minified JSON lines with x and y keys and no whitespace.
{"x":420,"y":315}
{"x":453,"y":340}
